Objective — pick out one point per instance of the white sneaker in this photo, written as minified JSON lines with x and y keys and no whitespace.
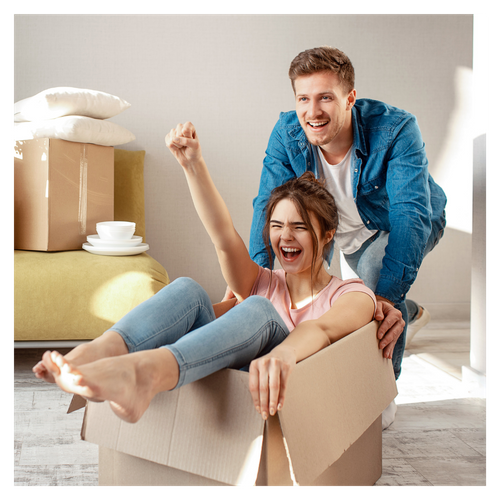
{"x":419,"y":323}
{"x":389,"y":415}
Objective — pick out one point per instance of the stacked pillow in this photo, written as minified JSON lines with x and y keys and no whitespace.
{"x":72,"y":114}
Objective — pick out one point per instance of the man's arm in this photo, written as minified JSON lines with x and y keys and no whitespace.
{"x":410,"y":213}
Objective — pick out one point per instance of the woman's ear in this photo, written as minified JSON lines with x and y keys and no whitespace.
{"x":329,"y":236}
{"x":327,"y":243}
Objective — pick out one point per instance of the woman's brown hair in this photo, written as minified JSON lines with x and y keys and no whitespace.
{"x":310,"y":196}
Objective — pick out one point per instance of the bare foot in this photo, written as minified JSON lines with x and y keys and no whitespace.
{"x":128,"y":382}
{"x":107,"y":345}
{"x":60,"y":371}
{"x":41,"y":372}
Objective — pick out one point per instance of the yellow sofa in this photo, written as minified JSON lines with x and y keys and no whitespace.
{"x":75,"y":296}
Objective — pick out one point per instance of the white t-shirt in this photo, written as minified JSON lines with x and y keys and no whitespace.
{"x":351,"y":232}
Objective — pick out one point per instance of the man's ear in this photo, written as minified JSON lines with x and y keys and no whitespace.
{"x":351,"y":99}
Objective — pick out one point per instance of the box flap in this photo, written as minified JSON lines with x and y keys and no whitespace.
{"x":208,"y":427}
{"x":76,"y":403}
{"x":332,"y":398}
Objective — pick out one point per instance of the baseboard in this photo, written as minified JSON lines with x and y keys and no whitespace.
{"x":474,"y":382}
{"x":42,"y":344}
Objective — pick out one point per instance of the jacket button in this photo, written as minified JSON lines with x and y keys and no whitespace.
{"x":376,"y":187}
{"x":368,"y":222}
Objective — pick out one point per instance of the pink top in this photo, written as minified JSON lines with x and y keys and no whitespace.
{"x":279,"y":296}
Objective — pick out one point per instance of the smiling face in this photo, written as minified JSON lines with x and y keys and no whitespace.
{"x":292,"y":241}
{"x":324,"y":110}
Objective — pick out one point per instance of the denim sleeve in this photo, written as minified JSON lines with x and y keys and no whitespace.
{"x":276,"y":171}
{"x":410,"y":212}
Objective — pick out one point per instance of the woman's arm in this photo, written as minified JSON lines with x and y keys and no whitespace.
{"x":269,"y":374}
{"x":239,"y":271}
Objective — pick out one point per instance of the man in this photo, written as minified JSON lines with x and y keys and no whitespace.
{"x":373,"y":160}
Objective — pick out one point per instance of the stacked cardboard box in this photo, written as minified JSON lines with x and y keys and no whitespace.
{"x":61,"y":190}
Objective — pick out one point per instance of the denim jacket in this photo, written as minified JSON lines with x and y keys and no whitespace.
{"x":391,"y":186}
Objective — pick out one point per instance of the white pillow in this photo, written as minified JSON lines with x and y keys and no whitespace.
{"x":75,"y":129}
{"x":63,"y":101}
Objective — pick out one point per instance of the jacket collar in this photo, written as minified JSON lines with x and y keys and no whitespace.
{"x":359,"y":143}
{"x":297,"y":133}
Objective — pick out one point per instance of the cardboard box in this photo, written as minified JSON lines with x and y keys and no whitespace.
{"x":61,"y":190}
{"x":208,"y":432}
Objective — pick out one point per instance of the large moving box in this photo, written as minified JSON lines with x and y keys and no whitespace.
{"x":61,"y":190}
{"x":208,"y":432}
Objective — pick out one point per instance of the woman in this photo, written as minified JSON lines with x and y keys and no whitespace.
{"x":281,"y":316}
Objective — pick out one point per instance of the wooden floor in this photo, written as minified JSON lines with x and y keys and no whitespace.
{"x":439,"y":435}
{"x":438,"y":438}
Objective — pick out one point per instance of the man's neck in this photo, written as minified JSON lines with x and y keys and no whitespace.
{"x":335,"y":151}
{"x":337,"y":157}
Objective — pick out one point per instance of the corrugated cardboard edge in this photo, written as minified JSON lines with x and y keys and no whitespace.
{"x":333,"y":397}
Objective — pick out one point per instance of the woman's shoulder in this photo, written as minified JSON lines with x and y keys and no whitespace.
{"x":337,"y":287}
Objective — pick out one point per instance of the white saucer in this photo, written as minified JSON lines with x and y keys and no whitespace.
{"x":98,"y":242}
{"x":143,"y":247}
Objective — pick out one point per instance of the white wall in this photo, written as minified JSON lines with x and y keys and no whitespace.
{"x":228,"y":75}
{"x":474,"y":374}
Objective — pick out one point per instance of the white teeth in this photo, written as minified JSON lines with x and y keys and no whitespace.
{"x":317,"y":124}
{"x":290,"y":249}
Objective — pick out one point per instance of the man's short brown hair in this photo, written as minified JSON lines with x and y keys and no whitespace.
{"x":323,"y":59}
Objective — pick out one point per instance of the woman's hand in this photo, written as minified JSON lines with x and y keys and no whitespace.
{"x":183,"y":143}
{"x":268,"y":379}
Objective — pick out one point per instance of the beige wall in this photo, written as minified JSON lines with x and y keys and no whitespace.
{"x":228,"y":75}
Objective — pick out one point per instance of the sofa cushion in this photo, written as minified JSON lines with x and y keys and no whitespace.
{"x":76,"y":295}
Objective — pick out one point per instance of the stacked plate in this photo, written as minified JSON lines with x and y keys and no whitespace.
{"x":115,"y":238}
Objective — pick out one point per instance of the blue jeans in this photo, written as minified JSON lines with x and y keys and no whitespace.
{"x":180,"y":317}
{"x":367,"y":263}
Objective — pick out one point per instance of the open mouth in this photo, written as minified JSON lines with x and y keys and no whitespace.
{"x":317,"y":125}
{"x":290,"y":253}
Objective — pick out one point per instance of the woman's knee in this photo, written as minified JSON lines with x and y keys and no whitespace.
{"x":185,"y":281}
{"x":186,"y":289}
{"x":257,"y":301}
{"x":186,"y":285}
{"x":262,"y":306}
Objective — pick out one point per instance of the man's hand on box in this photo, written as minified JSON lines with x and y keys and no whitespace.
{"x":391,"y":326}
